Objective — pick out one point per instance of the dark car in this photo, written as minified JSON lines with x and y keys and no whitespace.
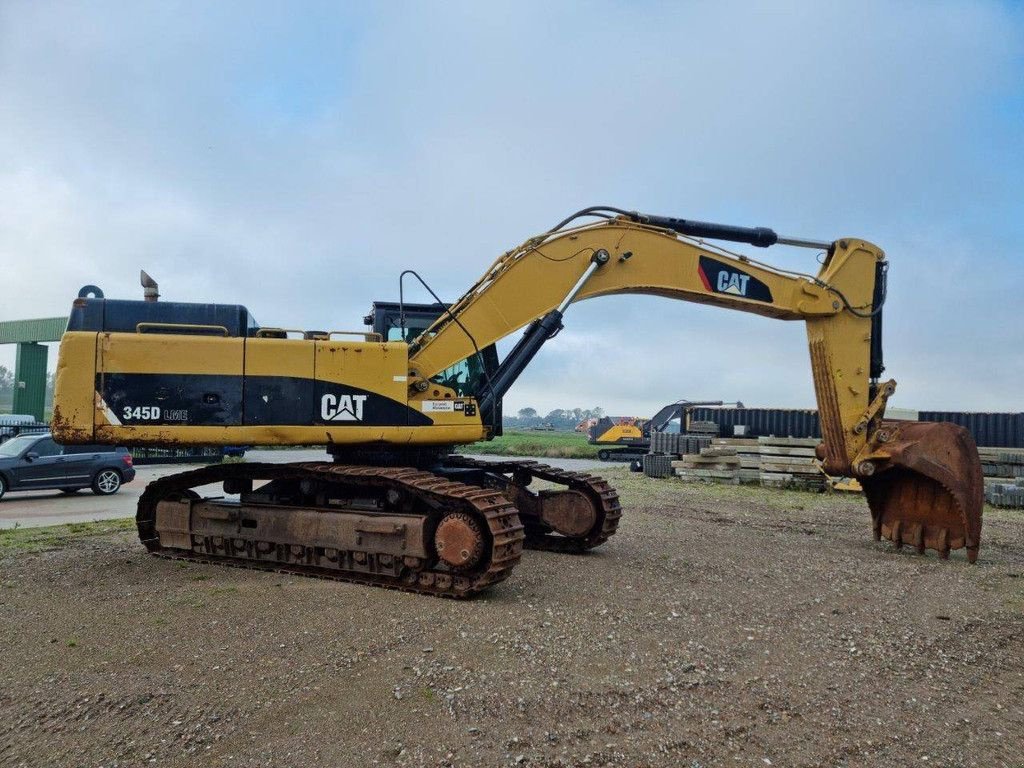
{"x":36,"y":462}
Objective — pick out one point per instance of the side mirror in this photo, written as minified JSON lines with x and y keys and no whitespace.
{"x":31,"y":456}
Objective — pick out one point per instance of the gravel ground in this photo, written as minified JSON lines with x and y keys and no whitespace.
{"x":722,"y":626}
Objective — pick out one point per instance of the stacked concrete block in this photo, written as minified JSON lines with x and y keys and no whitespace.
{"x":789,"y":462}
{"x":674,"y":444}
{"x":768,"y":461}
{"x":713,"y":465}
{"x":665,"y":443}
{"x":1004,"y":476}
{"x":657,"y":465}
{"x":693,"y":443}
{"x":703,"y":427}
{"x":667,"y":447}
{"x":1005,"y":494}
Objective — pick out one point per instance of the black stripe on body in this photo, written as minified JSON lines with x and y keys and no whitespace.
{"x":184,"y":399}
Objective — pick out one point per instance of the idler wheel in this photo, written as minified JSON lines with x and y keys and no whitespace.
{"x":570,"y":513}
{"x":459,"y":541}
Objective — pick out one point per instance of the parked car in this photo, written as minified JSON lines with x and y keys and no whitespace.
{"x":36,"y":462}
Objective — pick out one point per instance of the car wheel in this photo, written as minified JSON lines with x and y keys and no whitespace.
{"x":106,"y":482}
{"x":70,"y":491}
{"x":3,"y":486}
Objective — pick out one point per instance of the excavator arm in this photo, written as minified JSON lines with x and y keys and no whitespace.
{"x":923,"y":481}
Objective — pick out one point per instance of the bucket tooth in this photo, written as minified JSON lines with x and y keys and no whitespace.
{"x":919,"y":538}
{"x":944,"y":544}
{"x":928,"y":491}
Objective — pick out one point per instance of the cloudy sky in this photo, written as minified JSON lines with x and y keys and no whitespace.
{"x":295,"y":157}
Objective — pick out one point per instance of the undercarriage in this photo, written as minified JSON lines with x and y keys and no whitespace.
{"x":451,"y":531}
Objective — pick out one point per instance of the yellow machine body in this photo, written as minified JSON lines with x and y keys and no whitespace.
{"x":259,"y":391}
{"x":619,"y":433}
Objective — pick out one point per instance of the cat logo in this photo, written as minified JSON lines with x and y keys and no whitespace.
{"x":342,"y":407}
{"x":719,"y":277}
{"x":731,"y":282}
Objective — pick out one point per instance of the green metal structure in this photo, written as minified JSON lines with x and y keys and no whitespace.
{"x":30,"y":360}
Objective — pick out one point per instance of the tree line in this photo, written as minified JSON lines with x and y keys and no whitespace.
{"x":561,"y":419}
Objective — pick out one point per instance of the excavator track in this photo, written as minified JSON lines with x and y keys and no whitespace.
{"x":604,"y":501}
{"x":451,"y":540}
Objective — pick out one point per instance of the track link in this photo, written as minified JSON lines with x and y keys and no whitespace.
{"x":604,"y":498}
{"x":498,"y":516}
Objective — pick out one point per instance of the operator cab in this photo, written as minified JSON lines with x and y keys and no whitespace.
{"x":405,"y":322}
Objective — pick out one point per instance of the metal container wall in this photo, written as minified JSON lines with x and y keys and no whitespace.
{"x":762,"y":422}
{"x":992,"y":430}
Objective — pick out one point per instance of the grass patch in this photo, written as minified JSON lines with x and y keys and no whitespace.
{"x":555,"y":445}
{"x":29,"y":540}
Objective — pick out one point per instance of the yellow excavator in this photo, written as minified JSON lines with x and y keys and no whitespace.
{"x":396,"y":507}
{"x":629,"y":438}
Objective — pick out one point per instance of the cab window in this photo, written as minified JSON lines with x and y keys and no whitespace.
{"x":411,"y":332}
{"x":465,"y":377}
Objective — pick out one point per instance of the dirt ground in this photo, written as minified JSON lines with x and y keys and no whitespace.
{"x":722,"y":626}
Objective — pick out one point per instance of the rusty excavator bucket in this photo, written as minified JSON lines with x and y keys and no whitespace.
{"x":924,"y":486}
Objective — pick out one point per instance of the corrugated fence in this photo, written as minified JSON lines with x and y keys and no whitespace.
{"x":761,"y":422}
{"x":995,"y":430}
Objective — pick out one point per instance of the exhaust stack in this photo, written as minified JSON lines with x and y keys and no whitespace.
{"x":150,"y":290}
